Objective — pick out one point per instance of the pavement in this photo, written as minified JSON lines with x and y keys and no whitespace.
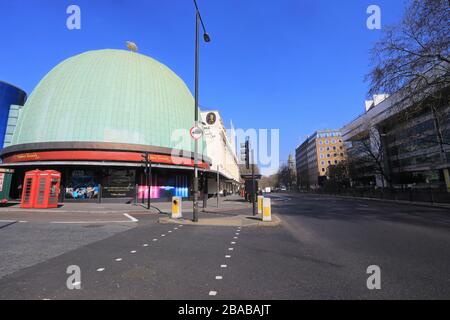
{"x":321,"y":250}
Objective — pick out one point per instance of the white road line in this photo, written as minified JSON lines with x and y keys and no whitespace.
{"x":228,"y":256}
{"x":232,"y":242}
{"x":155,"y":239}
{"x":145,"y":245}
{"x":163,"y":235}
{"x":237,"y":233}
{"x":130,"y":217}
{"x":213,"y":293}
{"x":119,"y":259}
{"x":169,"y":231}
{"x":175,"y":228}
{"x":134,"y":251}
{"x":235,"y":237}
{"x":101,"y":269}
{"x":223,"y":266}
{"x":230,"y":249}
{"x":219,"y":277}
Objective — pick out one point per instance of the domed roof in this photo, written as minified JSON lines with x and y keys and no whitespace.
{"x":108,"y":96}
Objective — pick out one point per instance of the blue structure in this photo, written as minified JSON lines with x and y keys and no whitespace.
{"x":9,"y":95}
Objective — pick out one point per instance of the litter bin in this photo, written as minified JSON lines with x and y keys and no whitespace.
{"x":41,"y":189}
{"x":5,"y":184}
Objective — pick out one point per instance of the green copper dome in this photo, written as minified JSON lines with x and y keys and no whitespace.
{"x":108,"y":96}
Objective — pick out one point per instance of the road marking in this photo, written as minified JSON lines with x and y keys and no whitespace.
{"x":223,"y":266}
{"x":175,"y":228}
{"x":119,"y":259}
{"x":163,"y":235}
{"x":155,"y":239}
{"x":237,"y":233}
{"x":230,"y":249}
{"x":213,"y":293}
{"x":134,"y":251}
{"x":228,"y":256}
{"x":232,"y":242}
{"x":235,"y":237}
{"x":169,"y":231}
{"x":101,"y":269}
{"x":145,"y":245}
{"x":130,"y":217}
{"x":180,"y":225}
{"x":219,"y":277}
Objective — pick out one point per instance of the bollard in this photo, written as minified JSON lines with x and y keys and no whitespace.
{"x":260,"y":204}
{"x":267,"y":210}
{"x":176,"y":208}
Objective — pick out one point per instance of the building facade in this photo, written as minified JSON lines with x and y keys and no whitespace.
{"x":221,"y":149}
{"x":93,"y":117}
{"x":11,"y":100}
{"x":411,"y":142}
{"x":313,"y":157}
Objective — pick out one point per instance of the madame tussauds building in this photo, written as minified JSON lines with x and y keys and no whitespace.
{"x":93,"y":117}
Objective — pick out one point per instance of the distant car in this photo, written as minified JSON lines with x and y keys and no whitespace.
{"x":267,"y":190}
{"x":283,"y":189}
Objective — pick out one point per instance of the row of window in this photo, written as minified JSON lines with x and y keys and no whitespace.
{"x":329,"y":148}
{"x":328,"y":141}
{"x":322,"y":156}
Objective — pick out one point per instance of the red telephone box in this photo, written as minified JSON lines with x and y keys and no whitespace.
{"x":41,"y":189}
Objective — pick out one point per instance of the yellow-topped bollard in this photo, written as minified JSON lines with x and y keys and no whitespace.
{"x":176,"y":208}
{"x":260,"y":204}
{"x":267,"y":210}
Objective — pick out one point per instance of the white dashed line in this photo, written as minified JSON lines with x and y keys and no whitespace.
{"x":219,"y":277}
{"x":235,"y":237}
{"x":230,"y":249}
{"x":133,"y":219}
{"x":232,"y":242}
{"x":155,"y":239}
{"x":228,"y":256}
{"x":100,"y":269}
{"x":145,"y":245}
{"x":119,"y":259}
{"x":175,"y":228}
{"x":170,"y":231}
{"x":163,"y":235}
{"x":223,"y":266}
{"x":134,"y":251}
{"x":213,"y":293}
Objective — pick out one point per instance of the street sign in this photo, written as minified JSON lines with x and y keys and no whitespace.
{"x":196,"y":133}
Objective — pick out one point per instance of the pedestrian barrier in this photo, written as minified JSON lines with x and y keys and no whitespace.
{"x":267,"y":210}
{"x":176,"y":208}
{"x":260,"y":204}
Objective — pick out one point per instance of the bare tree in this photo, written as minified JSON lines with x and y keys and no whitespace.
{"x":415,"y":54}
{"x":367,"y":155}
{"x":286,"y":176}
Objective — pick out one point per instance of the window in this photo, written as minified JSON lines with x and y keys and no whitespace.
{"x":321,"y":156}
{"x":328,"y":155}
{"x":335,"y":162}
{"x":326,"y":141}
{"x":323,"y":163}
{"x":329,"y":162}
{"x":323,"y":169}
{"x":333,"y":141}
{"x":321,"y":148}
{"x":328,"y":148}
{"x":321,"y":142}
{"x":342,"y":154}
{"x":334,"y":148}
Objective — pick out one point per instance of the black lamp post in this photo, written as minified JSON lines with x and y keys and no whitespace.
{"x":206,"y":38}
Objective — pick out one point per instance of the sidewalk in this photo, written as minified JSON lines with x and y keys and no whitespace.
{"x":231,"y":211}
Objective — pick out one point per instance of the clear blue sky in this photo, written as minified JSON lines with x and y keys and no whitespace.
{"x":295,"y":65}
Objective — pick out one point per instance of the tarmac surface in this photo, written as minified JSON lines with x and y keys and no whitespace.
{"x":321,"y":250}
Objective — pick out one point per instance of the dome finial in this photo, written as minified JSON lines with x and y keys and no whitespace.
{"x":132,"y":46}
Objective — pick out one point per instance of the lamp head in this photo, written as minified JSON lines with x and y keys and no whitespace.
{"x":206,"y":37}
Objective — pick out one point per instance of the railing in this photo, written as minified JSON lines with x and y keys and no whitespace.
{"x":426,"y":195}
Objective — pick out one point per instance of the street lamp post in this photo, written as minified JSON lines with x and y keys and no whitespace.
{"x":206,"y":38}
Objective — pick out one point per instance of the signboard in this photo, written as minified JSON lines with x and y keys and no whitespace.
{"x":196,"y":133}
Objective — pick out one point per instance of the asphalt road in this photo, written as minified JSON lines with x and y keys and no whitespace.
{"x":321,"y":251}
